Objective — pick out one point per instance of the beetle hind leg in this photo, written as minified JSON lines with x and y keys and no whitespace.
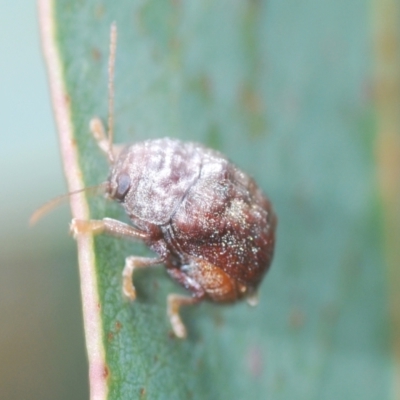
{"x":174,"y":303}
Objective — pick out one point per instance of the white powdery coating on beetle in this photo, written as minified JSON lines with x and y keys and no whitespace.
{"x":161,"y":172}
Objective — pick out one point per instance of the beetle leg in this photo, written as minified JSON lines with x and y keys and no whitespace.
{"x":132,"y":263}
{"x":106,"y":225}
{"x":119,"y":229}
{"x":252,"y":299}
{"x":174,"y":303}
{"x":99,"y":133}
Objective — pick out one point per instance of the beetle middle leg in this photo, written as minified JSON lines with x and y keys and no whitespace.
{"x":132,"y":263}
{"x":174,"y":301}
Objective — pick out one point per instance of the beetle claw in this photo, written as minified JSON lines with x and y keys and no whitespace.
{"x":252,"y":300}
{"x":73,"y":229}
{"x":128,"y":288}
{"x":77,"y":227}
{"x":177,"y":326}
{"x":174,"y":303}
{"x":80,"y":226}
{"x":127,"y":285}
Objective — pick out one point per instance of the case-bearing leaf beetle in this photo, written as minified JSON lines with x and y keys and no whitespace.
{"x":207,"y":221}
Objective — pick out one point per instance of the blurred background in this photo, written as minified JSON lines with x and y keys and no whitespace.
{"x":42,"y":355}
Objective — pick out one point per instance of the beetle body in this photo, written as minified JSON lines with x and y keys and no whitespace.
{"x":206,"y":219}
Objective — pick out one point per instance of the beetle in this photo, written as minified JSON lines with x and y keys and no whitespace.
{"x":206,"y":220}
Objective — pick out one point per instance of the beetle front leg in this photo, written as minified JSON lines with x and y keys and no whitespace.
{"x":99,"y":133}
{"x":132,"y":263}
{"x":106,"y":225}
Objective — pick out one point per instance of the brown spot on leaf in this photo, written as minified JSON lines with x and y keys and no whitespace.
{"x":254,"y":361}
{"x":199,"y":363}
{"x":296,"y":318}
{"x":171,"y":335}
{"x":99,"y":11}
{"x":96,"y":54}
{"x":218,"y":319}
{"x":251,"y":100}
{"x":206,"y":84}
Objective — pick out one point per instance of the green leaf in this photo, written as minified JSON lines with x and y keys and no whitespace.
{"x":280,"y":88}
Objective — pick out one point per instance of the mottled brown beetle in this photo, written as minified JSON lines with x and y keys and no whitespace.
{"x":207,"y":221}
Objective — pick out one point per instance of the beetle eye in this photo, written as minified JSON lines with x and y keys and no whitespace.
{"x":123,"y":185}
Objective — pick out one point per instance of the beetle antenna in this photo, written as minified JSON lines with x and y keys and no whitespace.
{"x":52,"y":204}
{"x":111,"y":72}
